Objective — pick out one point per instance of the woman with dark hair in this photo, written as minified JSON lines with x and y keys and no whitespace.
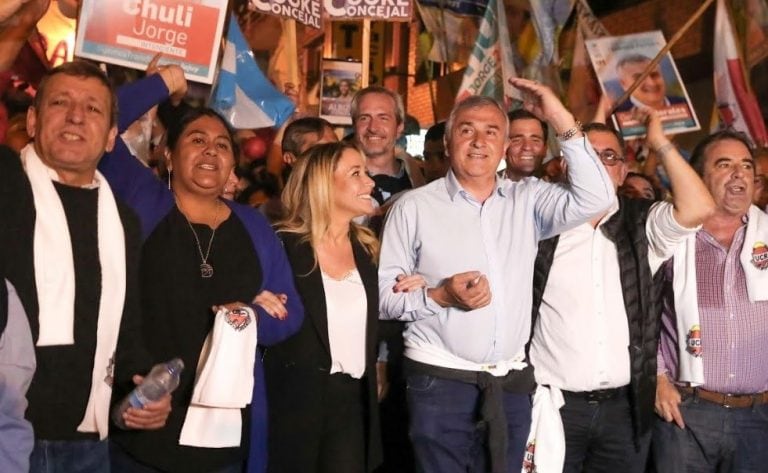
{"x":321,"y":383}
{"x":215,"y":282}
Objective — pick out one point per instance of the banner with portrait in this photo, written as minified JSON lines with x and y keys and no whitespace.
{"x":340,"y":81}
{"x":130,"y":32}
{"x":619,"y":60}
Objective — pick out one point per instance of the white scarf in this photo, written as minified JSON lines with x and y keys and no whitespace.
{"x":55,"y":279}
{"x":545,"y":448}
{"x":686,"y":294}
{"x":224,"y":382}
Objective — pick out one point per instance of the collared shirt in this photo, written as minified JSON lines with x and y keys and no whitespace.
{"x":734,"y":331}
{"x":440,"y":230}
{"x":581,"y":338}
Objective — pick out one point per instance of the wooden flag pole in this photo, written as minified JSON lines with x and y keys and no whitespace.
{"x":289,"y":28}
{"x":661,"y":54}
{"x":366,"y":52}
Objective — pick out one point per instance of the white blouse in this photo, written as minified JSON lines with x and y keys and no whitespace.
{"x":347,"y":306}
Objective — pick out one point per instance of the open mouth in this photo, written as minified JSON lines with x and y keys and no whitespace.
{"x":67,"y":136}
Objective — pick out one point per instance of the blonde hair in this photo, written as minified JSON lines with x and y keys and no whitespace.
{"x":308,"y":196}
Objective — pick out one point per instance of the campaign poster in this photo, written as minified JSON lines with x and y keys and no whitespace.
{"x":306,"y":12}
{"x":340,"y":81}
{"x":619,"y":60}
{"x":130,"y":32}
{"x":378,"y":10}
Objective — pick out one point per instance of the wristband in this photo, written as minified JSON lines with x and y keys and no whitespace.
{"x":570,"y":133}
{"x":662,"y":150}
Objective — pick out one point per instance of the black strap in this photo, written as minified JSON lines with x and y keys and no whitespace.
{"x":3,"y":306}
{"x":491,"y":400}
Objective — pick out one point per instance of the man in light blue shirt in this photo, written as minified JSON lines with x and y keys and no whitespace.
{"x":17,"y":366}
{"x":474,"y":238}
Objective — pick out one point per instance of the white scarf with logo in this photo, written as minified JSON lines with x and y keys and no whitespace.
{"x":754,"y":261}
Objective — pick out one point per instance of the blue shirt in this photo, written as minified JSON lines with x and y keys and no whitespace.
{"x":440,"y":230}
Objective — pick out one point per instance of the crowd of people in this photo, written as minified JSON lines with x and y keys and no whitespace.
{"x":375,"y":311}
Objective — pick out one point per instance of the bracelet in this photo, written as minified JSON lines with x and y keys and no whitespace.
{"x":570,"y":133}
{"x":662,"y":150}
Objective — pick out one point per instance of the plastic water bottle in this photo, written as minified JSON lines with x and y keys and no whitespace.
{"x":161,"y":380}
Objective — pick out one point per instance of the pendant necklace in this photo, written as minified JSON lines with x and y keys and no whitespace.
{"x":206,"y":269}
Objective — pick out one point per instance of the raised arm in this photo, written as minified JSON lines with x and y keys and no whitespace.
{"x":691,"y":200}
{"x":133,"y":182}
{"x":589,"y":190}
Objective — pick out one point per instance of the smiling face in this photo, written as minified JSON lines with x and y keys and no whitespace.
{"x":71,"y":126}
{"x":351,"y":186}
{"x":651,"y":91}
{"x":202,"y":159}
{"x":376,"y":127}
{"x":729,"y":175}
{"x":478,"y":141}
{"x":527,"y":147}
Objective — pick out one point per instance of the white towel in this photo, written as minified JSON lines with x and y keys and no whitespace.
{"x":545,"y":448}
{"x":754,"y":261}
{"x":55,"y":279}
{"x":224,"y":381}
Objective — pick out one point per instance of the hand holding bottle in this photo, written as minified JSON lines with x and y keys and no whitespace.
{"x":147,"y":407}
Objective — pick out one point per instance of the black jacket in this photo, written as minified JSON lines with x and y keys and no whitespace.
{"x":626,"y":228}
{"x":297,"y":369}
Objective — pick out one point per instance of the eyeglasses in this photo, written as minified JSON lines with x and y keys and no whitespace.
{"x":610,"y":157}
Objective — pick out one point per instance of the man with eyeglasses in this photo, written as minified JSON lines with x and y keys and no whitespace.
{"x":595,"y":309}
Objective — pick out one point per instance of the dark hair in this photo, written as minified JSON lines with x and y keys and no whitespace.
{"x":630,"y":174}
{"x":177,"y":127}
{"x":293,"y":136}
{"x":597,"y":126}
{"x":375,"y":89}
{"x":697,"y":157}
{"x":435,"y":132}
{"x":523,"y":114}
{"x":82,"y":69}
{"x":632,"y":59}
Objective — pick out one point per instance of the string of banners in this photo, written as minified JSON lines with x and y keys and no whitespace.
{"x":312,"y":12}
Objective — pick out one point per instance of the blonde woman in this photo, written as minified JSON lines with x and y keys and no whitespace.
{"x":321,"y":383}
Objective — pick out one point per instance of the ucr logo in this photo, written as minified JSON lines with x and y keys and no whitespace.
{"x":760,"y":255}
{"x":693,"y":341}
{"x":529,"y":466}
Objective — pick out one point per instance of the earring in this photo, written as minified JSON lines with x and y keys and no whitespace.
{"x":169,"y":180}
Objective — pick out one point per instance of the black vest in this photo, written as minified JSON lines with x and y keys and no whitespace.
{"x":626,"y":229}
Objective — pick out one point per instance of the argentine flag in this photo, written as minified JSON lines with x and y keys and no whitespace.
{"x":243,"y":95}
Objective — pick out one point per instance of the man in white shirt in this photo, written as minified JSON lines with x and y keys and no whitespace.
{"x":595,"y":334}
{"x":473,"y":238}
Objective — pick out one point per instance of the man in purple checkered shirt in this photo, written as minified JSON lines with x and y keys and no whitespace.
{"x":712,"y":386}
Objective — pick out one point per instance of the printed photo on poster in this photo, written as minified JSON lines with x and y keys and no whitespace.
{"x":619,"y":60}
{"x":341,"y":80}
{"x":130,"y":33}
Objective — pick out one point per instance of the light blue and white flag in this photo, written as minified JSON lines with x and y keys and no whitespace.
{"x":491,"y":63}
{"x":243,"y":95}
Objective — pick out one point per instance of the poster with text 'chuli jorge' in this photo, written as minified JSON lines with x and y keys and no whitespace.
{"x":130,"y":32}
